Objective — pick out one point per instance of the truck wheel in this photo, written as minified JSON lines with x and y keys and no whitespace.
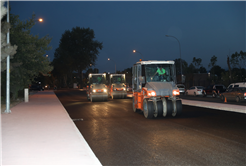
{"x":167,"y":107}
{"x":106,"y":98}
{"x":177,"y":108}
{"x":158,"y":107}
{"x":164,"y":107}
{"x":133,"y":105}
{"x":148,"y":109}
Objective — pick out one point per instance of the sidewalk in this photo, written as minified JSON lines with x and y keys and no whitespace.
{"x":40,"y":132}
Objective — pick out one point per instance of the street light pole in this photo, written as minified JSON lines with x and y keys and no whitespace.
{"x":180,"y":55}
{"x":138,"y":52}
{"x":114,"y":63}
{"x":8,"y":70}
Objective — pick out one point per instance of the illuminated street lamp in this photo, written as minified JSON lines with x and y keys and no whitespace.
{"x":180,"y":56}
{"x":114,"y":63}
{"x":40,"y":20}
{"x":138,"y":52}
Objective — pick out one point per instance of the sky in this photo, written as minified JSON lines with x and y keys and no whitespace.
{"x":203,"y":28}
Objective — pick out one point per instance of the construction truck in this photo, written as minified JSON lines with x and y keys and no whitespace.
{"x":154,"y":89}
{"x":97,"y":89}
{"x":117,"y":86}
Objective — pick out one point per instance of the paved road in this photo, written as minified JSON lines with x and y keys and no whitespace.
{"x":118,"y":136}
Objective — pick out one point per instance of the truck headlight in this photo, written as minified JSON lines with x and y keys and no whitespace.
{"x":104,"y":90}
{"x":151,"y":93}
{"x":94,"y":90}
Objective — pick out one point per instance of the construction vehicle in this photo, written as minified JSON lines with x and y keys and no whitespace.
{"x":117,"y":86}
{"x":154,"y":94}
{"x":97,"y":89}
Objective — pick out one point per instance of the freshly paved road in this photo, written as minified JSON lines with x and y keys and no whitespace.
{"x":118,"y":136}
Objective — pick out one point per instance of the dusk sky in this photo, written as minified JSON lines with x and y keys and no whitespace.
{"x":203,"y":28}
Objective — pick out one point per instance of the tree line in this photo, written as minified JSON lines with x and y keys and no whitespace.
{"x":77,"y":52}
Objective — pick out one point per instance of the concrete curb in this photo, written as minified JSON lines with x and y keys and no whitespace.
{"x":218,"y":106}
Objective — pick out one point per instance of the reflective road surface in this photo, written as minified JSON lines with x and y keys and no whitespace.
{"x":118,"y":136}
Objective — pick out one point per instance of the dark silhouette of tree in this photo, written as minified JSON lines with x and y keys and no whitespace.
{"x":29,"y":61}
{"x":79,"y":49}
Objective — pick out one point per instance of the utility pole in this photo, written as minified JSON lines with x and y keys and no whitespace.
{"x":8,"y":70}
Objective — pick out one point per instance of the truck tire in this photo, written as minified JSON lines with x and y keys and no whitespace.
{"x":148,"y":109}
{"x":164,"y":107}
{"x":158,"y":108}
{"x":177,"y":108}
{"x":133,"y":105}
{"x":167,"y":107}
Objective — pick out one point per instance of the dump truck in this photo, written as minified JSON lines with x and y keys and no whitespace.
{"x":155,"y":92}
{"x":117,"y":86}
{"x":97,"y":89}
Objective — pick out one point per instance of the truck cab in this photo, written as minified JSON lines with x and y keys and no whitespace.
{"x":117,"y":86}
{"x":97,"y":88}
{"x":154,"y":92}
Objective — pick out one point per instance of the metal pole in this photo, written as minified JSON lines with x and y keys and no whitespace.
{"x":8,"y":70}
{"x":114,"y":64}
{"x":180,"y":55}
{"x":139,"y":53}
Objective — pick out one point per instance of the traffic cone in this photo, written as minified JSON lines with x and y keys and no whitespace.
{"x":225,"y":100}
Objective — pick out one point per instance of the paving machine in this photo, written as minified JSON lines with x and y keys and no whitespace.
{"x":97,"y":89}
{"x":154,"y":89}
{"x":117,"y":86}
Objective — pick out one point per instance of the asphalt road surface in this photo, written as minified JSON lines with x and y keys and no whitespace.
{"x":118,"y":136}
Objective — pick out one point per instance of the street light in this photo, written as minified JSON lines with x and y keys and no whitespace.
{"x":8,"y":70}
{"x":40,"y":20}
{"x":138,"y":52}
{"x":180,"y":55}
{"x":114,"y":63}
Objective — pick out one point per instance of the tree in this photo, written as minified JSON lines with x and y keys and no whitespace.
{"x":238,"y":60}
{"x":202,"y":69}
{"x":80,"y":47}
{"x":216,"y":71}
{"x":191,"y":69}
{"x":6,"y":49}
{"x":213,"y":61}
{"x":184,"y":66}
{"x":63,"y":67}
{"x":29,"y":56}
{"x":197,"y":63}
